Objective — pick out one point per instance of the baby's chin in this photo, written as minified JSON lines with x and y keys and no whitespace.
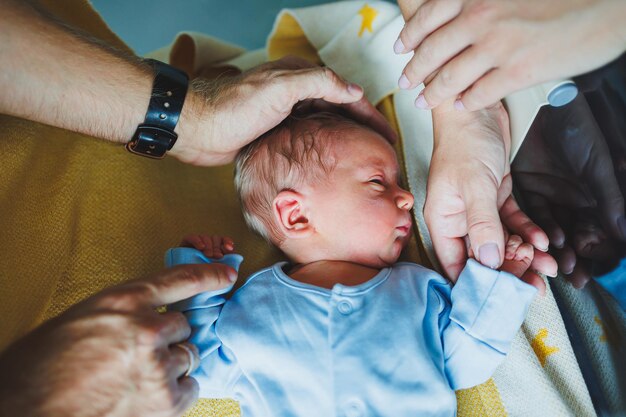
{"x":382,"y":260}
{"x":386,"y":263}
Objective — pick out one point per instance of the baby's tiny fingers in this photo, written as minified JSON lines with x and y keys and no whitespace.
{"x":513,"y":244}
{"x":193,"y":241}
{"x":217,"y":246}
{"x":208,"y":245}
{"x":228,"y":245}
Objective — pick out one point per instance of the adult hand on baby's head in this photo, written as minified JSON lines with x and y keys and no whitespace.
{"x":111,"y":354}
{"x":233,"y":111}
{"x":469,"y":191}
{"x":484,"y":50}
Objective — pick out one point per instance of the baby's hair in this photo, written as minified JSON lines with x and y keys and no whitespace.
{"x":291,"y":154}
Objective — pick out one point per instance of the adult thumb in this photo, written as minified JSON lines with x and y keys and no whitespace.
{"x":484,"y":227}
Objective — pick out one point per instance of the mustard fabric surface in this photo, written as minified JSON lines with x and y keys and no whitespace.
{"x":79,"y":214}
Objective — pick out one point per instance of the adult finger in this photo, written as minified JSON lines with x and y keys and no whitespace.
{"x":488,"y":90}
{"x":563,"y":191}
{"x":447,"y":231}
{"x":544,"y":263}
{"x":483,"y":221}
{"x":519,"y":223}
{"x":566,"y":259}
{"x":316,"y":83}
{"x":182,"y":282}
{"x":436,"y":50}
{"x":605,"y":188}
{"x":541,"y":211}
{"x":450,"y":253}
{"x":173,"y":327}
{"x":426,"y":19}
{"x":581,"y":274}
{"x":186,"y":394}
{"x":590,"y":241}
{"x":458,"y":75}
{"x":535,"y":280}
{"x":183,"y":360}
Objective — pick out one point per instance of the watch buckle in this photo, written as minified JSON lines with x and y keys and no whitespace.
{"x":151,"y":141}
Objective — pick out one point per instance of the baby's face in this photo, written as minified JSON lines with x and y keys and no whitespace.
{"x":361,"y":212}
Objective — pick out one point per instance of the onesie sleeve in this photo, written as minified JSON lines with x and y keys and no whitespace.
{"x":218,"y":371}
{"x":487,"y":309}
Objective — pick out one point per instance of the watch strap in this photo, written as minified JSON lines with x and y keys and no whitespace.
{"x":156,"y":135}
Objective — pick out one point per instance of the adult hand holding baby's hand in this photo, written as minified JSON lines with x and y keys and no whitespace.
{"x":111,"y":354}
{"x":469,"y":192}
{"x":484,"y":50}
{"x":518,"y":260}
{"x":236,"y":110}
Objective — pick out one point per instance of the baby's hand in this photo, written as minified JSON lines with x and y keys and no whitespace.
{"x":518,"y":256}
{"x":211,"y":246}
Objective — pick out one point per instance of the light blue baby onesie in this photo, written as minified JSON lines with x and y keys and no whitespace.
{"x":397,"y":345}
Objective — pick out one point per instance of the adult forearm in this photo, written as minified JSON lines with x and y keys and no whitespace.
{"x":53,"y":74}
{"x":448,"y":123}
{"x":446,"y":110}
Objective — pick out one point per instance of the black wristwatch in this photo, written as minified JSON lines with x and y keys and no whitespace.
{"x":155,"y":136}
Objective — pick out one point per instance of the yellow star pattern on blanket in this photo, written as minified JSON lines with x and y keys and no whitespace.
{"x":368,"y":14}
{"x":599,"y":323}
{"x":541,"y":349}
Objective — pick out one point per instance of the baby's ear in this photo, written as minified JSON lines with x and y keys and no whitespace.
{"x":289,"y":211}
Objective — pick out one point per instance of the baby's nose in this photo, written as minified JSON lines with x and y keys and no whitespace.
{"x":405,"y":200}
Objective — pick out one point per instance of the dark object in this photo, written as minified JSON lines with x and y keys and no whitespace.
{"x":570,"y":174}
{"x":155,"y":136}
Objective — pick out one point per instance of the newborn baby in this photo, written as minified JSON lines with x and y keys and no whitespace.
{"x":342,"y":328}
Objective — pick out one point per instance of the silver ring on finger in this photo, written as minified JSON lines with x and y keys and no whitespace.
{"x":190,"y":354}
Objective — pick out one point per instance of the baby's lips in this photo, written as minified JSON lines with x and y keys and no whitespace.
{"x":405,"y":229}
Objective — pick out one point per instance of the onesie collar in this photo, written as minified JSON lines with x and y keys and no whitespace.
{"x":279,"y":273}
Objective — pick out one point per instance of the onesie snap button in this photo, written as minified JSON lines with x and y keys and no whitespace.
{"x":345,"y":307}
{"x":354,"y":408}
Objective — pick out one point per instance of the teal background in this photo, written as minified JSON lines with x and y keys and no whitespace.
{"x":146,"y":25}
